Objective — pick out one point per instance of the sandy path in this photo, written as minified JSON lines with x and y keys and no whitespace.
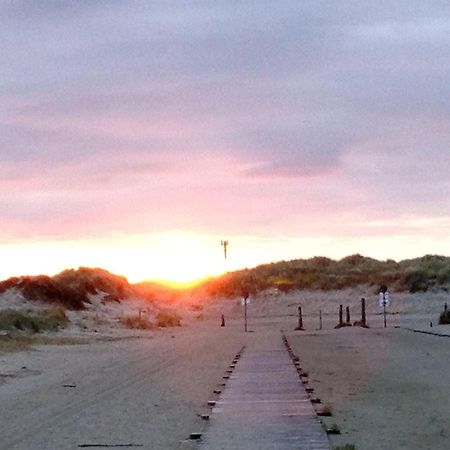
{"x":144,"y":391}
{"x":389,"y":389}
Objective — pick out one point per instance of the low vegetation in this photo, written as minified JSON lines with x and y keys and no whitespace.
{"x":168,"y":318}
{"x":46,"y":320}
{"x":345,"y":447}
{"x":14,"y":342}
{"x":70,"y":288}
{"x":319,"y":273}
{"x":137,"y":322}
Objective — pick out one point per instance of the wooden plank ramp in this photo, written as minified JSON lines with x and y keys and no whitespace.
{"x":264,"y":406}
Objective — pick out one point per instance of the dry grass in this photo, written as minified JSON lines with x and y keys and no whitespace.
{"x":168,"y":318}
{"x":21,"y":320}
{"x":13,"y":342}
{"x":136,"y":322}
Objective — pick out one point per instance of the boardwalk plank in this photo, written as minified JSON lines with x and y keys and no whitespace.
{"x":264,"y":406}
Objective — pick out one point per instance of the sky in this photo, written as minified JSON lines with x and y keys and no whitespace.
{"x":136,"y":135}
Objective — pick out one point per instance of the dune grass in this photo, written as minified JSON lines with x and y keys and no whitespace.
{"x":167,"y":318}
{"x":137,"y":323}
{"x":21,"y":320}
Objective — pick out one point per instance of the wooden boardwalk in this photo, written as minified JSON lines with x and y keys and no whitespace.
{"x":264,"y":406}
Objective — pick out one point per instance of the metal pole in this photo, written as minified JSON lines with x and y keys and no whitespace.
{"x":320,"y":319}
{"x":384,"y":313}
{"x":340,"y":314}
{"x":347,"y":314}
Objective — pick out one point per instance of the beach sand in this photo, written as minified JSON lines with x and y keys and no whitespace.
{"x":388,"y":388}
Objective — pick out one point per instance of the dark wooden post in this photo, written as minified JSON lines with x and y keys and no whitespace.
{"x":223,"y":321}
{"x":300,"y":319}
{"x":347,"y":314}
{"x":245,"y":313}
{"x":341,"y":315}
{"x":363,"y":311}
{"x":320,"y":319}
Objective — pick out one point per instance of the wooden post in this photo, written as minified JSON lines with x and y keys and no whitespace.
{"x":341,"y":315}
{"x":300,"y":319}
{"x":245,"y":313}
{"x":363,"y":311}
{"x":223,"y":321}
{"x":347,"y":314}
{"x":384,"y":313}
{"x":320,"y":319}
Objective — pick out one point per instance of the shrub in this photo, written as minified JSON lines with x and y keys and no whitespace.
{"x":136,"y":322}
{"x":47,"y":320}
{"x":167,"y":318}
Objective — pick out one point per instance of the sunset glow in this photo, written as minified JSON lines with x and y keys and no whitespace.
{"x":136,"y":140}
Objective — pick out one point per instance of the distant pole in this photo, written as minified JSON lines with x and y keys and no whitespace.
{"x":224,"y":244}
{"x":341,"y":314}
{"x":320,"y":319}
{"x":223,"y":321}
{"x":347,"y":314}
{"x":384,"y":313}
{"x":363,"y":311}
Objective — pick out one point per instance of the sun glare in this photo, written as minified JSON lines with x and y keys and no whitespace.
{"x":182,"y":259}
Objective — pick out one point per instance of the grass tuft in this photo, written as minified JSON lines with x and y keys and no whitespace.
{"x":168,"y":318}
{"x":47,"y":320}
{"x":137,"y":323}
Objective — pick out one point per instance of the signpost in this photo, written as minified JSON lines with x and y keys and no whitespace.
{"x":383,"y":300}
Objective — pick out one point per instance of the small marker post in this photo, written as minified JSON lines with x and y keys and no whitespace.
{"x":300,"y":319}
{"x":363,"y":311}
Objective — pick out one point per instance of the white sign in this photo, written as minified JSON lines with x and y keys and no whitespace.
{"x":383,"y":299}
{"x":244,"y":301}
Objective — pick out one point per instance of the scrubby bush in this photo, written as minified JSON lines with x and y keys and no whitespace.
{"x":136,"y":322}
{"x":167,"y":318}
{"x":47,"y":320}
{"x":414,"y":275}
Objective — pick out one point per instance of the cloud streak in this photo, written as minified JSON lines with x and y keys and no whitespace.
{"x":211,"y":116}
